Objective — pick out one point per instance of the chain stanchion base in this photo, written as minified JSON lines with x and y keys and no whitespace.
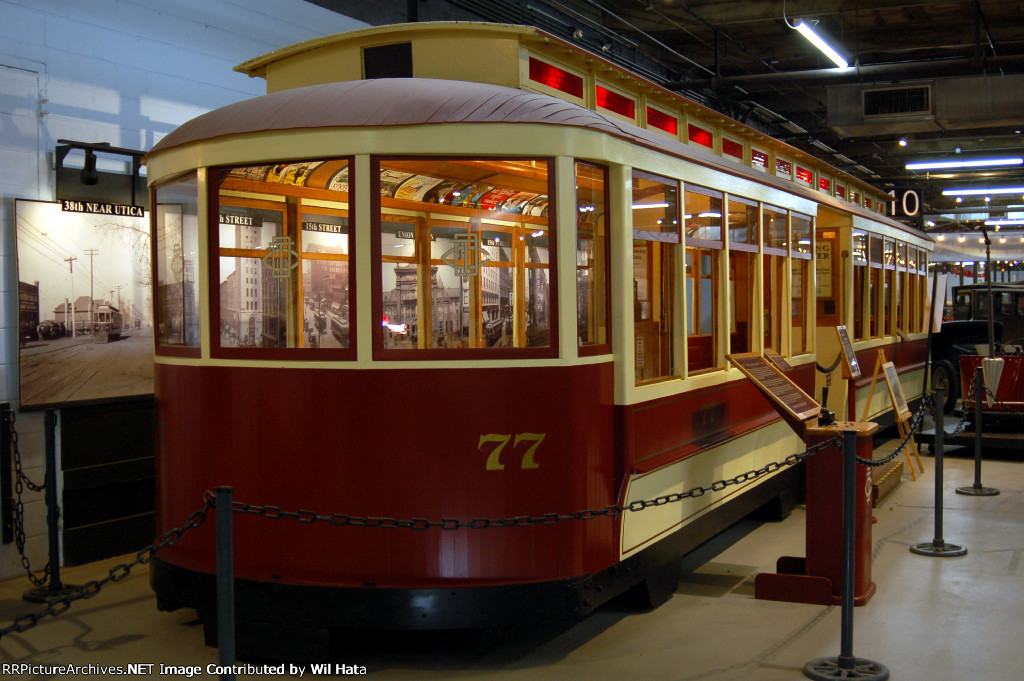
{"x":829,"y":668}
{"x":44,"y":594}
{"x":977,"y":491}
{"x":938,"y":549}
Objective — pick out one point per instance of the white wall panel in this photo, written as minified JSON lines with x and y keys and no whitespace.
{"x":125,"y":72}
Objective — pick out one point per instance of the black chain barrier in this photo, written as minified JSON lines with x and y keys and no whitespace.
{"x":829,"y":369}
{"x":21,"y":481}
{"x":966,"y":412}
{"x":121,"y":571}
{"x":926,"y":402}
{"x":999,"y":403}
{"x":341,"y":520}
{"x":115,"y":574}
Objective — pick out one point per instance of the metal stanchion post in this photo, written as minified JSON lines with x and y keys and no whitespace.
{"x":6,"y":477}
{"x":225,"y":581}
{"x":53,"y":590}
{"x":846,"y":666}
{"x":978,"y":490}
{"x":937,"y":546}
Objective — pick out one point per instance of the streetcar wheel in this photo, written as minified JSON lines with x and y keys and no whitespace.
{"x":944,"y":377}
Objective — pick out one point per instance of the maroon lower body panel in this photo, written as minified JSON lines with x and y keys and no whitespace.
{"x":403,"y":444}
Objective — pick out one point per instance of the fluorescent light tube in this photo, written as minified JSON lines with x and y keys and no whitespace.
{"x":988,"y":190}
{"x":826,"y":49}
{"x":976,"y":163}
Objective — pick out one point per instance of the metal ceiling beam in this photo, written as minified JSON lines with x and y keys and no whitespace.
{"x":857,"y":74}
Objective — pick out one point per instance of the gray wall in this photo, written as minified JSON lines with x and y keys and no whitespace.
{"x":125,"y":72}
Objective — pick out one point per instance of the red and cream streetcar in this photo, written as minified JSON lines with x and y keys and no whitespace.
{"x":465,"y":271}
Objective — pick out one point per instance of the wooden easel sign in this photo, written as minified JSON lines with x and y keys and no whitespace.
{"x":899,"y":401}
{"x":902,"y":413}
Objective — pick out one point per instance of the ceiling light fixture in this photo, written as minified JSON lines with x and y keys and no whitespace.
{"x":903,"y":141}
{"x":983,"y":190}
{"x":976,"y":163}
{"x":1004,"y":223}
{"x":826,"y":49}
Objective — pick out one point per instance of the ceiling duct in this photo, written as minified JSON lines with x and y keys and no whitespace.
{"x":897,"y":101}
{"x":942,"y":104}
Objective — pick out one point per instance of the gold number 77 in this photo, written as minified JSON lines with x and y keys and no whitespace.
{"x":494,"y":458}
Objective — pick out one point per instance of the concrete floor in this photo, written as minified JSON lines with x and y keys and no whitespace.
{"x":946,"y":619}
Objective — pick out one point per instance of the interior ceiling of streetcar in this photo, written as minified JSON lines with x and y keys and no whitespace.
{"x":946,"y":78}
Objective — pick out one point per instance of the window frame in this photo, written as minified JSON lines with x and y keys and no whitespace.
{"x":160,"y":349}
{"x":379,"y":352}
{"x":669,"y":243}
{"x":606,"y":347}
{"x":298,"y":354}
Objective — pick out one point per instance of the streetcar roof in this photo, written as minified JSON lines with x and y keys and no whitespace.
{"x":393,"y":102}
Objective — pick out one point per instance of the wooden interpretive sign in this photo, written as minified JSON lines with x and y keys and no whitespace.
{"x":902,"y":413}
{"x":778,"y":360}
{"x":851,"y":368}
{"x":792,"y":403}
{"x":892,"y":380}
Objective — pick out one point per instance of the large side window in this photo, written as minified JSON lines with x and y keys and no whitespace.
{"x":592,"y":253}
{"x":743,"y":225}
{"x":775,"y":223}
{"x":914,"y":310}
{"x":465,"y":252}
{"x":176,"y":240}
{"x":875,"y":289}
{"x":656,"y":238}
{"x":283,"y":243}
{"x":703,"y":222}
{"x":889,"y":285}
{"x":861,"y":278}
{"x":801,"y":261}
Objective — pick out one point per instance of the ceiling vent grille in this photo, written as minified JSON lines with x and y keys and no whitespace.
{"x":900,"y":101}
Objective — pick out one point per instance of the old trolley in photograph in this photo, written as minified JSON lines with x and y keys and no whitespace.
{"x":471,"y":271}
{"x":107,"y":323}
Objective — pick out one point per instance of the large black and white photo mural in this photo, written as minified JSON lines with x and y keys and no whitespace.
{"x":85,"y":323}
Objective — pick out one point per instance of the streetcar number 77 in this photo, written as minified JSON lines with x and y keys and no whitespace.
{"x":499,"y":441}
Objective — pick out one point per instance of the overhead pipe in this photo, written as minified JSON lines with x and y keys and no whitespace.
{"x":857,"y":74}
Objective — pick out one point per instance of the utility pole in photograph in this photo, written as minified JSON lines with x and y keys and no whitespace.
{"x":91,"y":252}
{"x":71,"y":268}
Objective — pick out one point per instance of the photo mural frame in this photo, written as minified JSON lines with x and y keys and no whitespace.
{"x":71,"y":253}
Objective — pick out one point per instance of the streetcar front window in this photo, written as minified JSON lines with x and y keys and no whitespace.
{"x":465,"y":250}
{"x":283,"y":268}
{"x":176,"y":233}
{"x":592,"y":297}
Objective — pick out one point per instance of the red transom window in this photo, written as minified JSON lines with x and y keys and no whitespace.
{"x":554,"y":77}
{"x":662,"y":121}
{"x":701,"y":136}
{"x":730,"y":148}
{"x":614,"y":102}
